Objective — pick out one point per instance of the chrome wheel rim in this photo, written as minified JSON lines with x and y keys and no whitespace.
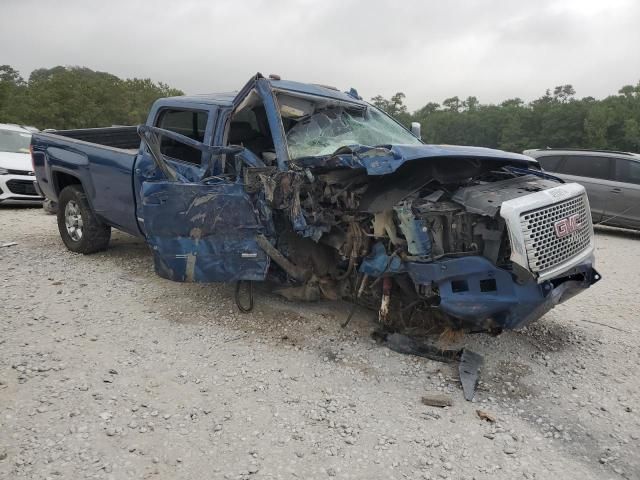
{"x":73,"y":220}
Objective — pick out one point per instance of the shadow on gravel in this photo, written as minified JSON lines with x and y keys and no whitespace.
{"x":123,"y":245}
{"x":4,"y":206}
{"x":550,"y":335}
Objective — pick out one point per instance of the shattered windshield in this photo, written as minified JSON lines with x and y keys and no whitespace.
{"x":322,"y":129}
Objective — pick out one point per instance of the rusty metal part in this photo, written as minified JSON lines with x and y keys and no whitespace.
{"x":437,"y":400}
{"x":383,"y":313}
{"x":489,"y":417}
{"x":363,"y":284}
{"x":355,"y":237}
{"x":298,"y":273}
{"x":384,"y":226}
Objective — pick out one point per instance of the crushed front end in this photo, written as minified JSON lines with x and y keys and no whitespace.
{"x":447,"y":242}
{"x":331,"y":198}
{"x":354,"y":206}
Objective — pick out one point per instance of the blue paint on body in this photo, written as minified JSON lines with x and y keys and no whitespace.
{"x":386,"y":159}
{"x":477,"y":292}
{"x":203,"y":233}
{"x":379,"y":263}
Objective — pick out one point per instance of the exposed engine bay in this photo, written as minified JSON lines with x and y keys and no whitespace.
{"x":348,"y":235}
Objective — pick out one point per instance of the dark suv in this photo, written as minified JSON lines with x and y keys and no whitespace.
{"x":612,"y":181}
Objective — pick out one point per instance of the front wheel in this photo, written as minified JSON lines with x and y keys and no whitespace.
{"x":80,"y":229}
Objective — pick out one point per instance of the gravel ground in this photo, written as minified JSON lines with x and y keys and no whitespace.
{"x":108,"y":371}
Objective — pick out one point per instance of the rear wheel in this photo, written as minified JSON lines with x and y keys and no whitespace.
{"x":80,"y":229}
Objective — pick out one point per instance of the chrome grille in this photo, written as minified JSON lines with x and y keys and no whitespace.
{"x":545,"y":249}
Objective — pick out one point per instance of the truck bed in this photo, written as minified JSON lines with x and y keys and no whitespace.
{"x":123,"y":137}
{"x":101,"y":160}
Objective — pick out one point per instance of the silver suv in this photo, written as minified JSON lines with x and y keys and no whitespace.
{"x":612,"y":181}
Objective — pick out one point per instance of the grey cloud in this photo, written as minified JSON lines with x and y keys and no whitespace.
{"x":493,"y":49}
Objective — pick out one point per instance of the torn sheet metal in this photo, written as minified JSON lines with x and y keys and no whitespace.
{"x":386,"y":159}
{"x":414,"y":231}
{"x":378,"y":263}
{"x":469,"y":369}
{"x":411,"y":346}
{"x":180,"y":171}
{"x":485,"y":297}
{"x":203,"y":233}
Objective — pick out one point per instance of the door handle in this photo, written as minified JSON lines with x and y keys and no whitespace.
{"x":616,"y":190}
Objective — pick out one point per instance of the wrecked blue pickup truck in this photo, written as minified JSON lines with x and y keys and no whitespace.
{"x":327,"y":197}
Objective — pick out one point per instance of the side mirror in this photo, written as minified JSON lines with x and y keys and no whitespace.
{"x":415,"y":129}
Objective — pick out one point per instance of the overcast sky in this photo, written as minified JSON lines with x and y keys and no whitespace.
{"x":430,"y":50}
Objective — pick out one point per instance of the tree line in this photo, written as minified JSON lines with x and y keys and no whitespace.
{"x":76,"y":97}
{"x":556,"y":119}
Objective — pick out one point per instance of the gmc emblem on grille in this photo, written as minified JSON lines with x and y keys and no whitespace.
{"x":567,"y":225}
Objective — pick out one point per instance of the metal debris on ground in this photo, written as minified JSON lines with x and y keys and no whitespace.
{"x":437,"y":400}
{"x":469,"y":369}
{"x":486,"y":416}
{"x":470,"y":362}
{"x":404,"y":344}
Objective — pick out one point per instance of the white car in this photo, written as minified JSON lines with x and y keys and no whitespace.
{"x":16,"y":171}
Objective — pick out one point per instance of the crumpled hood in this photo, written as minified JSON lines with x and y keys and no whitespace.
{"x":386,"y":159}
{"x":15,"y":161}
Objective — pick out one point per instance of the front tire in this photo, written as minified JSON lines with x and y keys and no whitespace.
{"x":80,"y":229}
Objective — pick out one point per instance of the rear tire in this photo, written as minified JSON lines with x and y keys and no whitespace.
{"x":80,"y":229}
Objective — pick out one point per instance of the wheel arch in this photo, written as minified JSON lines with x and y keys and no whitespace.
{"x":95,"y":233}
{"x":63,"y":179}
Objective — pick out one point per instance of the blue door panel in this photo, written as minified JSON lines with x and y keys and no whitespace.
{"x":202,"y":233}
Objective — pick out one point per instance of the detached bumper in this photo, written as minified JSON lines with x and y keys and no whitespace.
{"x":482,"y":296}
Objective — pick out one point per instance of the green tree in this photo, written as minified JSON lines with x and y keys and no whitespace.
{"x":428,"y":109}
{"x":556,"y":119}
{"x":393,"y":106}
{"x":452,"y":104}
{"x":76,"y":97}
{"x":12,"y":94}
{"x":563,"y":93}
{"x":632,"y":134}
{"x":596,"y":125}
{"x":470,"y":104}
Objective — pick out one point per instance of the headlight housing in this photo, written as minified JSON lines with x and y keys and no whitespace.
{"x":4,"y":171}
